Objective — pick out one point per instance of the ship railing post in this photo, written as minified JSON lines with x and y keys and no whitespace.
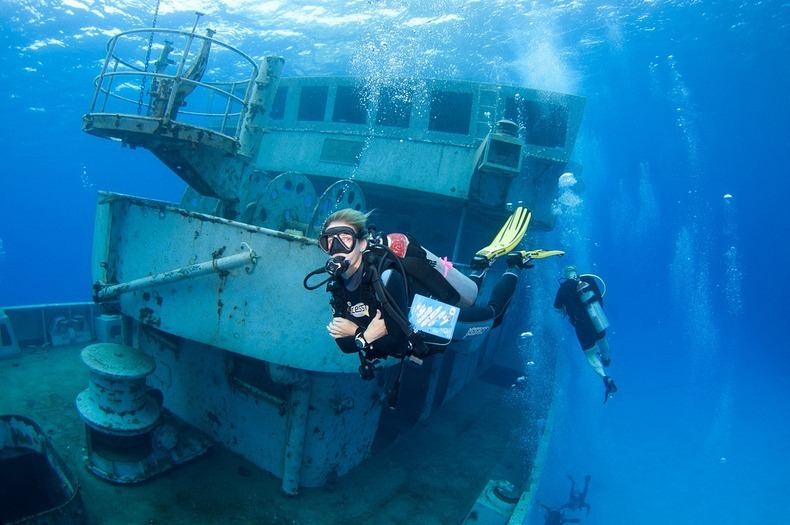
{"x":260,"y":101}
{"x":100,"y":78}
{"x":299,"y":402}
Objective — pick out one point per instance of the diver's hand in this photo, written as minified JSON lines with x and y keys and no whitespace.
{"x":341,"y":327}
{"x":376,"y":329}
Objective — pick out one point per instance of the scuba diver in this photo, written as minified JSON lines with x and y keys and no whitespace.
{"x":373,"y":280}
{"x":576,"y":497}
{"x":582,"y":301}
{"x":556,"y":517}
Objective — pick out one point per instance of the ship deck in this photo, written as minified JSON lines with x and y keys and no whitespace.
{"x":430,"y":474}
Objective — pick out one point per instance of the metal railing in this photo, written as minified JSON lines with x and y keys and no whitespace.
{"x":220,"y":94}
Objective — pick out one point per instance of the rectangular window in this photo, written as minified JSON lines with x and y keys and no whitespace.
{"x":312,"y":103}
{"x":277,"y":111}
{"x":545,"y":123}
{"x":350,"y":106}
{"x":450,"y":112}
{"x":394,"y":107}
{"x":339,"y":151}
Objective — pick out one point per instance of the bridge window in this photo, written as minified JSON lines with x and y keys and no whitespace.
{"x":350,"y":106}
{"x":450,"y":112}
{"x":312,"y":103}
{"x":277,"y":111}
{"x":394,"y":107}
{"x":546,"y":123}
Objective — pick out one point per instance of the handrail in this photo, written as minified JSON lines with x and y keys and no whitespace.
{"x":122,"y":72}
{"x":217,"y":264}
{"x":208,"y":85}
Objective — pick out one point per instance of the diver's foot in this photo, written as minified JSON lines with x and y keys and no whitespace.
{"x":519,"y":260}
{"x":479,"y":263}
{"x":611,"y":388}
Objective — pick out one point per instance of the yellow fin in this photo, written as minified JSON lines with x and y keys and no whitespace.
{"x":542,"y":254}
{"x":509,"y":236}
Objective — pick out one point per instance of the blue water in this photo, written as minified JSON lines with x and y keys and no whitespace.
{"x":686,"y":103}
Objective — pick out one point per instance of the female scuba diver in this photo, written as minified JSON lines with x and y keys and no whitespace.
{"x":358,"y":318}
{"x":372,"y":286}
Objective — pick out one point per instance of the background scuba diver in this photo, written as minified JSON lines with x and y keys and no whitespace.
{"x":556,"y":517}
{"x":580,"y":298}
{"x":370,"y":299}
{"x":577,"y":497}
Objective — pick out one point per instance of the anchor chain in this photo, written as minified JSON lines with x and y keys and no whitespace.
{"x":148,"y":59}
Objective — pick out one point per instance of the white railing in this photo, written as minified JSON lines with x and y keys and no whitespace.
{"x":217,"y":79}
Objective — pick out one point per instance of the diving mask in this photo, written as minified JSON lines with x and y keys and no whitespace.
{"x":340,"y":239}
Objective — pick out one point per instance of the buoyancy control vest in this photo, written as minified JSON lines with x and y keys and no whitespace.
{"x":372,"y":293}
{"x":429,"y":274}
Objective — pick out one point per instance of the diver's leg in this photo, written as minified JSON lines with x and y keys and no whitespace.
{"x":478,"y":277}
{"x":606,"y":354}
{"x":573,"y":489}
{"x":594,"y":361}
{"x":497,"y":304}
{"x":502,"y":294}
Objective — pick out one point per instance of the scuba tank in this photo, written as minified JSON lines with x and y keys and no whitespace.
{"x":592,"y":305}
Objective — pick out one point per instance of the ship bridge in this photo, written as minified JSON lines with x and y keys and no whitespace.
{"x":235,"y":132}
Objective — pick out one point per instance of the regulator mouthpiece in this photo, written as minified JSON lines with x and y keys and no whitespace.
{"x":336,"y":266}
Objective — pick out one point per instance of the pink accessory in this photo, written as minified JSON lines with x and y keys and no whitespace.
{"x":447,"y":266}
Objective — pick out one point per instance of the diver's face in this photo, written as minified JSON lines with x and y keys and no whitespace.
{"x":338,"y":239}
{"x":341,"y":240}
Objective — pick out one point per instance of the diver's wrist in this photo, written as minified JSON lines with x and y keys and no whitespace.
{"x":360,"y":340}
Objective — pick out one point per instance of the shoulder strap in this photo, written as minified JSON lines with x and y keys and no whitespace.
{"x":337,"y":301}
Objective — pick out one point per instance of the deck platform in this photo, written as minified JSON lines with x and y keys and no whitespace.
{"x":430,"y":475}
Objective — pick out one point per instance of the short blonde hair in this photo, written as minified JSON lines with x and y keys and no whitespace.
{"x":354,"y":218}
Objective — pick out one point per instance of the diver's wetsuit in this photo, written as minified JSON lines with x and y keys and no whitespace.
{"x":493,"y":312}
{"x":357,"y":301}
{"x":359,"y":305}
{"x":568,"y":298}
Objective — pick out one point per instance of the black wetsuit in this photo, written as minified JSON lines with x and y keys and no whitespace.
{"x":476,"y":320}
{"x":568,"y":298}
{"x":359,"y":305}
{"x":356,"y":300}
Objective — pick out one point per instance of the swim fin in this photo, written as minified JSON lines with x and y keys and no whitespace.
{"x":507,"y":238}
{"x":522,"y":258}
{"x":542,"y":254}
{"x":611,"y":388}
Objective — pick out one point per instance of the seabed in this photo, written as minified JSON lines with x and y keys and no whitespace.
{"x":431,"y":474}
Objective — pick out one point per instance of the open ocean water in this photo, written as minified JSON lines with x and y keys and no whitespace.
{"x":685,"y":146}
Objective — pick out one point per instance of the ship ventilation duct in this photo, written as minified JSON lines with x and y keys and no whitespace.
{"x":498,"y":162}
